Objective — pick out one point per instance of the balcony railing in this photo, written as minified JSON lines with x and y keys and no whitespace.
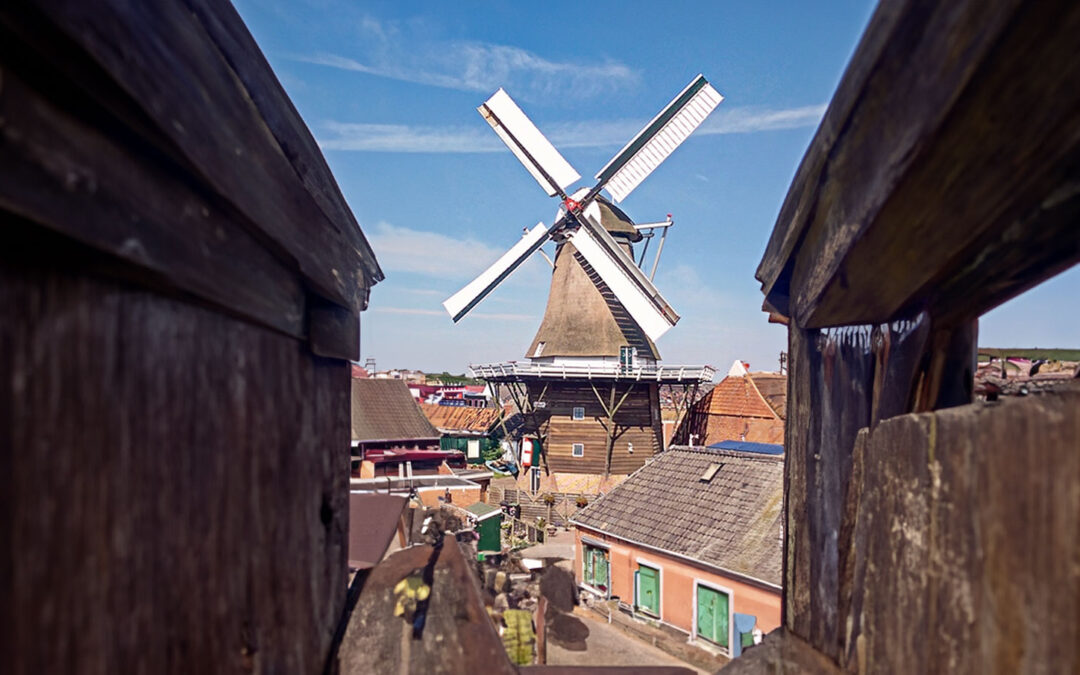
{"x":512,"y":370}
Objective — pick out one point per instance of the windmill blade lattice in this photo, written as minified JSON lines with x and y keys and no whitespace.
{"x":577,"y":221}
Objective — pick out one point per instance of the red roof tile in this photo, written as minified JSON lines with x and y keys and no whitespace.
{"x":460,"y":418}
{"x":737,"y":396}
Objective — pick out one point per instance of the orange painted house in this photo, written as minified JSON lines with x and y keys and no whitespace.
{"x":692,"y":540}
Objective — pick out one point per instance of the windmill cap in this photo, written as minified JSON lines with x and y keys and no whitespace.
{"x":616,"y":221}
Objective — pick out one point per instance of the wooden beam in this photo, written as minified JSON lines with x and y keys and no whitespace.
{"x":912,"y":179}
{"x":152,"y":228}
{"x":156,"y":76}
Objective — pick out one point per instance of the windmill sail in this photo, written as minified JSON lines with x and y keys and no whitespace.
{"x":461,"y":303}
{"x":659,"y":138}
{"x":617,"y":270}
{"x":547,"y":166}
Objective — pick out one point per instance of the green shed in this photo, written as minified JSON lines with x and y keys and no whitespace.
{"x":488,"y":525}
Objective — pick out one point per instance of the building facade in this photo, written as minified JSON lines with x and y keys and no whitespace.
{"x":693,"y":541}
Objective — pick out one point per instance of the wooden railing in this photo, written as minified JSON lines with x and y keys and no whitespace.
{"x":650,"y":373}
{"x":533,"y":506}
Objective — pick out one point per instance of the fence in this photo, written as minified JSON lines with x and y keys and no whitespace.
{"x":533,"y":506}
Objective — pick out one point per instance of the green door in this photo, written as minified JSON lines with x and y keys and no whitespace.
{"x":490,"y":530}
{"x":712,"y":615}
{"x":649,"y":589}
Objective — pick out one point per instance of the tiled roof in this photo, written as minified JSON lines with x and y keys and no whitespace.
{"x":449,"y":419}
{"x":773,"y":388}
{"x":384,"y":410}
{"x":737,"y":395}
{"x":731,"y":521}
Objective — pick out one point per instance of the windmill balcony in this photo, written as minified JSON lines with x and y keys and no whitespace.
{"x":513,"y":370}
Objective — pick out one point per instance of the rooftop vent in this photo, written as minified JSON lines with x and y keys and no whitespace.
{"x":710,"y":472}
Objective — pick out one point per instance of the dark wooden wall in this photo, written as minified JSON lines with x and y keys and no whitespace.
{"x":636,"y":421}
{"x":174,"y":481}
{"x":964,"y":543}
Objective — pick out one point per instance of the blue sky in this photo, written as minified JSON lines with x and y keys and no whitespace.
{"x":390,"y":91}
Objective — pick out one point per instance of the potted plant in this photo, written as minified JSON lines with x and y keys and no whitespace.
{"x":581,"y":501}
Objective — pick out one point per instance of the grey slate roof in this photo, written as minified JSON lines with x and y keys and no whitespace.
{"x":732,"y":521}
{"x":384,"y":410}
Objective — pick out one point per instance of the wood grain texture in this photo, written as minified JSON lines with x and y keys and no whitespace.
{"x":925,"y":175}
{"x":76,"y":179}
{"x":795,"y":608}
{"x":174,"y":484}
{"x":229,"y":34}
{"x":458,"y":635}
{"x":965,"y":541}
{"x":155,"y":76}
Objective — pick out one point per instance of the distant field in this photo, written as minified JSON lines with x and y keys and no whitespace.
{"x":1022,"y":353}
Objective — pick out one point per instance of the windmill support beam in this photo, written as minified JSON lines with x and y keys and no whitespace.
{"x":610,"y":408}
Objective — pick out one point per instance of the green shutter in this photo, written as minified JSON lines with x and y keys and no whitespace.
{"x":712,"y":615}
{"x":596,"y":568}
{"x":649,"y":589}
{"x":601,"y":571}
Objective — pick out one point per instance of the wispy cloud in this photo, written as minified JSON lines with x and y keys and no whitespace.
{"x":589,"y":134}
{"x":380,"y":309}
{"x":401,"y":249}
{"x":395,"y":50}
{"x":418,"y":311}
{"x":447,"y":259}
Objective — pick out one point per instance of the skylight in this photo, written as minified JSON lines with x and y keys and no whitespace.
{"x":710,"y":472}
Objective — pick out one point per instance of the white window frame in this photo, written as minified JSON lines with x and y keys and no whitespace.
{"x":574,"y":449}
{"x":576,"y":415}
{"x":659,"y":585}
{"x":731,"y":615}
{"x":534,"y":479}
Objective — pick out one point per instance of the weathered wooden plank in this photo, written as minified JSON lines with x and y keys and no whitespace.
{"x":231,"y":36}
{"x":979,"y":162}
{"x":333,"y":331}
{"x":131,"y":206}
{"x":797,"y":453}
{"x":781,"y":653}
{"x":900,"y":356}
{"x":949,"y":378}
{"x":965,"y":541}
{"x":174,"y":482}
{"x":800,"y":201}
{"x":841,"y":373}
{"x":458,"y":635}
{"x":160,"y":56}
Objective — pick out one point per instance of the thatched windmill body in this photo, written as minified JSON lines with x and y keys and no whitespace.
{"x":591,"y":386}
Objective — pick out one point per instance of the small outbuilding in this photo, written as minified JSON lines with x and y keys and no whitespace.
{"x":488,"y":525}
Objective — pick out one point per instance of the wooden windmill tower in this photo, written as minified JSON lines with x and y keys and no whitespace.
{"x":591,"y":388}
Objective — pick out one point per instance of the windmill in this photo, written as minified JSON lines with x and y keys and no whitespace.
{"x":593,"y":378}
